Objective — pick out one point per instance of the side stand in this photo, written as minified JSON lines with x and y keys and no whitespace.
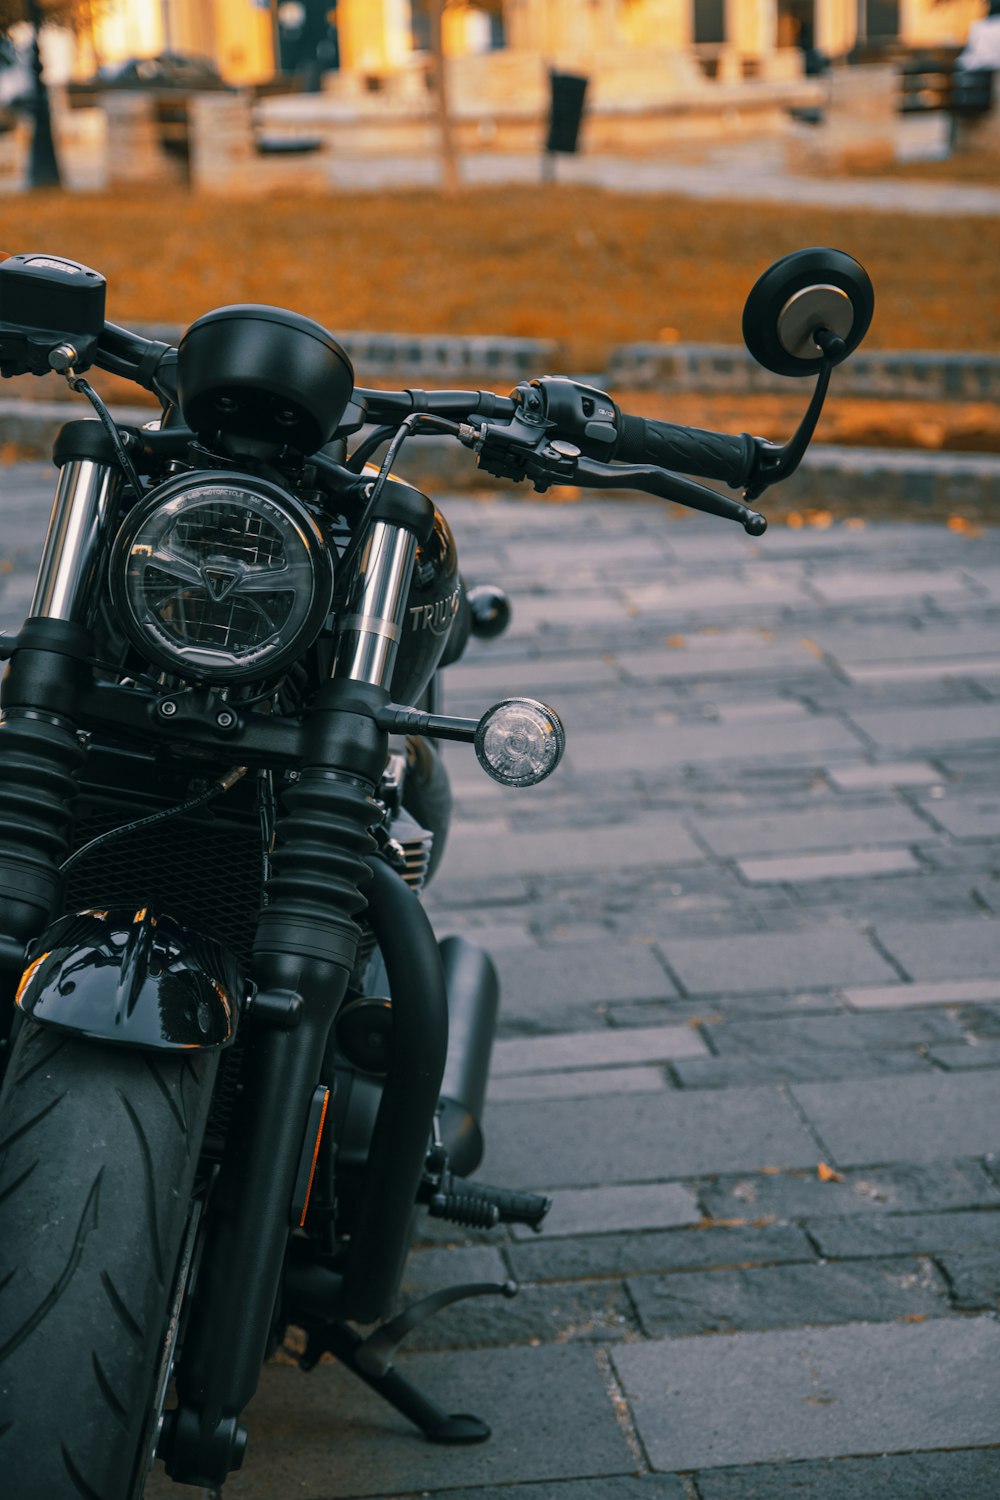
{"x":370,"y":1359}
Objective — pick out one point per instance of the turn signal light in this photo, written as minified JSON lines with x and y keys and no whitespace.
{"x":519,"y":741}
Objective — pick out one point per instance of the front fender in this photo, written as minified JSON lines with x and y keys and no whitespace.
{"x":134,"y":978}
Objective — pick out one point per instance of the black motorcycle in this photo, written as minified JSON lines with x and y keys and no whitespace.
{"x":238,"y":1061}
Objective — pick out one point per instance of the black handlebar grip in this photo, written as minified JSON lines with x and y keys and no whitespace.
{"x":688,"y":450}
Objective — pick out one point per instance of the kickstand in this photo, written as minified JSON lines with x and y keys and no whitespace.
{"x":371,"y":1360}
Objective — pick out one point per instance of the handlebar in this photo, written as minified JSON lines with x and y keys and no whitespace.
{"x":530,"y":434}
{"x":393,"y":406}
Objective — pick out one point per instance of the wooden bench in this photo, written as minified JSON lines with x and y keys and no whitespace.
{"x":930,"y":82}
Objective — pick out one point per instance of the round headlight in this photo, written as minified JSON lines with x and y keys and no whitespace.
{"x":221,"y":578}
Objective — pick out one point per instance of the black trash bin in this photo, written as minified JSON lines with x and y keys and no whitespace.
{"x":565,"y":112}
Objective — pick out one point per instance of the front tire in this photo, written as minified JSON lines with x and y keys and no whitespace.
{"x":98,"y":1151}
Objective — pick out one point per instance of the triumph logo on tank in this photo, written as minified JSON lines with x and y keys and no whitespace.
{"x":435,"y":617}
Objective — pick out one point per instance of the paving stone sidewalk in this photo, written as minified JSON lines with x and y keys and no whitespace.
{"x":750,"y":956}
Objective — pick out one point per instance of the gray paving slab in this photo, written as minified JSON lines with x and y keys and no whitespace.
{"x":656,"y":841}
{"x":947,"y":887}
{"x":872,"y":1031}
{"x":944,"y":950}
{"x":636,"y":1487}
{"x":595,"y":1048}
{"x":927,"y":992}
{"x":742,"y":1398}
{"x":794,"y":1066}
{"x":965,"y":817}
{"x":539,"y":983}
{"x":851,"y":585}
{"x":894,"y":773}
{"x":820,"y":957}
{"x":895,"y":1234}
{"x":854,"y":864}
{"x":645,"y":1138}
{"x":604,"y":1210}
{"x":427,"y":1270}
{"x":547,"y":679}
{"x":971,"y":667}
{"x":673,"y":1250}
{"x":976,"y":1054}
{"x":807,"y":1195}
{"x":765,"y":588}
{"x":972,"y":1474}
{"x":729,"y":654}
{"x":811,"y":829}
{"x":655,"y":748}
{"x":789,"y":1296}
{"x":584,"y":1083}
{"x":325,"y":1436}
{"x":974,"y":1278}
{"x":924,"y":1118}
{"x":940,"y":639}
{"x":921,"y":729}
{"x":578,"y":1312}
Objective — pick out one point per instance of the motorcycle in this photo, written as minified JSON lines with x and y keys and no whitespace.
{"x":237,"y":1061}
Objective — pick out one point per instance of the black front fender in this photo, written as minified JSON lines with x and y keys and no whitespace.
{"x":134,"y":978}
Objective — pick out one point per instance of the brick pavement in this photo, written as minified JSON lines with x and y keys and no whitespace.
{"x":748,"y":942}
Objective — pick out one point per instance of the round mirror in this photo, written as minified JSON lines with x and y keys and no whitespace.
{"x":801,"y":295}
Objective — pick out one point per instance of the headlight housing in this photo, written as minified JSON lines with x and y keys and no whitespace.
{"x":221,"y":577}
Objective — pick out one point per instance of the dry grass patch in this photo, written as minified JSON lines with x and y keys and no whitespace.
{"x":585,"y":267}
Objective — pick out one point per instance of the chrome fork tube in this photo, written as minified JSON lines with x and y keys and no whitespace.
{"x":75,"y":541}
{"x":372,"y":625}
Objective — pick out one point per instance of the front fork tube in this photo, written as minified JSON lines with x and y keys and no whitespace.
{"x":39,"y":749}
{"x":304,"y":953}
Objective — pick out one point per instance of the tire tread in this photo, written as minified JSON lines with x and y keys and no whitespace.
{"x":99,"y":1149}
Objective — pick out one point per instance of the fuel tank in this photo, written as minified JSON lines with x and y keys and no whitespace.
{"x":434,"y":614}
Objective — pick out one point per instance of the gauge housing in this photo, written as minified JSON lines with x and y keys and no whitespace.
{"x":262,"y":373}
{"x":220,"y":577}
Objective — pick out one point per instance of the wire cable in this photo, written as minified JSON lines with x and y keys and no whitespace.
{"x":78,"y":383}
{"x":221,"y":784}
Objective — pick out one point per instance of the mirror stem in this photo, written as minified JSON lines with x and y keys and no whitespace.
{"x":777,"y":461}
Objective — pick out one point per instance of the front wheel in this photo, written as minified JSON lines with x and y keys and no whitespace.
{"x":98,"y":1152}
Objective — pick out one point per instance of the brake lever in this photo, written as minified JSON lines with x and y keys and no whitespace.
{"x":520,"y":449}
{"x":560,"y":463}
{"x":668,"y":486}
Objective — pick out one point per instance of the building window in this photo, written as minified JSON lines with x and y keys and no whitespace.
{"x":797,"y":23}
{"x":709,"y":22}
{"x":883,"y":18}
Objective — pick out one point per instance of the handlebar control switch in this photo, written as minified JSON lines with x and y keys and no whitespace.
{"x":580,"y":413}
{"x":46,"y":301}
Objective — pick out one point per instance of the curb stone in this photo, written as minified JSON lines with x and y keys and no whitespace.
{"x":864,"y":480}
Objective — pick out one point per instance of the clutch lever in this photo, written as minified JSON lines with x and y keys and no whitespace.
{"x":522,"y":449}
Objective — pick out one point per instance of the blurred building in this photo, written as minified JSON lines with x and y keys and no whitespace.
{"x":726,"y":40}
{"x":728,"y":37}
{"x":237,"y":35}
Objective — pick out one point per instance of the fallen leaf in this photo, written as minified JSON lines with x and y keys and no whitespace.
{"x":827,"y":1174}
